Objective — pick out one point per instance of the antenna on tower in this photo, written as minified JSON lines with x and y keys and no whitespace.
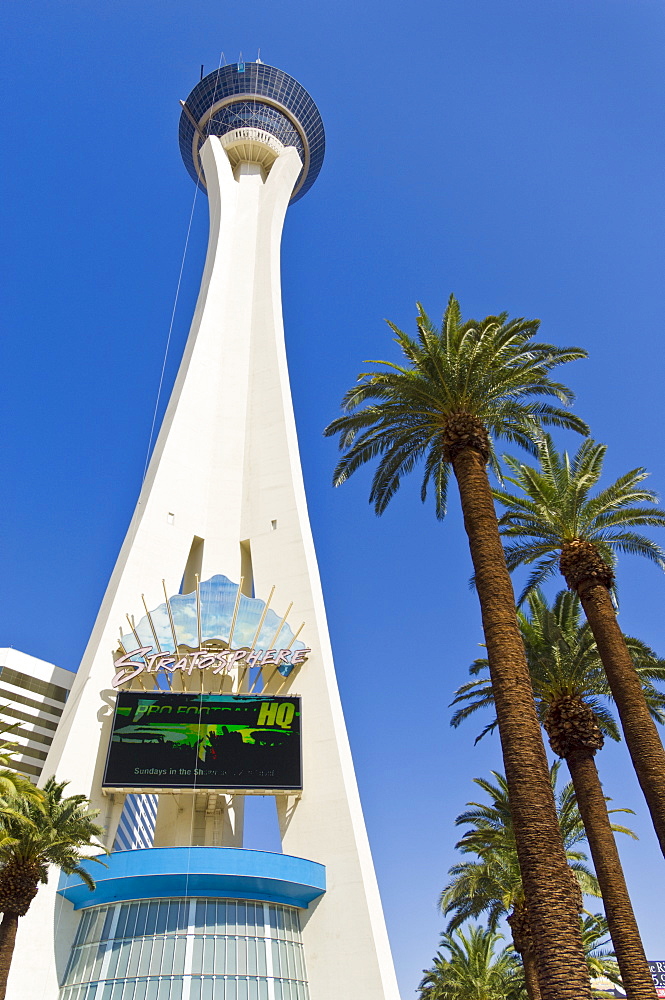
{"x":241,"y":64}
{"x":258,"y":57}
{"x":201,"y":70}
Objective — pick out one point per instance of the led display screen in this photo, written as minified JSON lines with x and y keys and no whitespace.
{"x":189,"y":741}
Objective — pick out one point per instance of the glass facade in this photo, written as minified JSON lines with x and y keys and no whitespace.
{"x":136,"y":828}
{"x":254,"y":114}
{"x":187,"y":949}
{"x":53,"y":691}
{"x":251,"y":81}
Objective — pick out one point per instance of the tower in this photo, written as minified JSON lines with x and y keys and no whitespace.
{"x":215,"y":606}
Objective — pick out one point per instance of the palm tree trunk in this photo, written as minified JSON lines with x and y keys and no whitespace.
{"x":531,"y":975}
{"x":7,"y":938}
{"x":635,"y":974}
{"x":639,"y":729}
{"x":562,"y":970}
{"x":520,"y":928}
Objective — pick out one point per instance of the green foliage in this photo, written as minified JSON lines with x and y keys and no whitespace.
{"x":563,"y":659}
{"x":60,"y":831}
{"x":473,"y":969}
{"x":477,"y":968}
{"x":492,"y":883}
{"x":556,"y":503}
{"x":599,"y":957}
{"x":492,"y":369}
{"x":14,"y":786}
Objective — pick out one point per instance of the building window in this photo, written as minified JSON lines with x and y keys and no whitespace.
{"x":136,"y":828}
{"x":227,"y":949}
{"x":41,"y":706}
{"x":44,"y":688}
{"x":24,"y":717}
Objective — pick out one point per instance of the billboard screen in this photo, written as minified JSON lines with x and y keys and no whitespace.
{"x":657,"y":972}
{"x":187,"y":741}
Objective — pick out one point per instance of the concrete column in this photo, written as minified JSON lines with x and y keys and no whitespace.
{"x":224,"y":490}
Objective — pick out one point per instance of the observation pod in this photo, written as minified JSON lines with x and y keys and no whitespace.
{"x":215,"y":608}
{"x":257,"y":111}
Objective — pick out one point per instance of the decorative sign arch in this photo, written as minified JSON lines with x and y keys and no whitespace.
{"x":214,"y":631}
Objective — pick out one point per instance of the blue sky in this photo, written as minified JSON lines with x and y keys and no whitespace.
{"x":508,"y":151}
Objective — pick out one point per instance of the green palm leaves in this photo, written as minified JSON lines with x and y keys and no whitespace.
{"x":13,"y":786}
{"x":600,"y":960}
{"x":457,"y":390}
{"x":60,"y":831}
{"x":570,"y":688}
{"x":492,"y":884}
{"x":563,"y":661}
{"x":557,"y":519}
{"x":556,"y":505}
{"x":454,"y":393}
{"x":43,"y":828}
{"x":474,"y":966}
{"x":473,"y":969}
{"x":492,"y":371}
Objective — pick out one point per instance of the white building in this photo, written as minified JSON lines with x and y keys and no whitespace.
{"x":33,"y":694}
{"x":216,"y":595}
{"x":32,"y":698}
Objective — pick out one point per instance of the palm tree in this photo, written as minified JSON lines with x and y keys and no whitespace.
{"x":492,"y":884}
{"x":59,"y":831}
{"x":555,"y":520}
{"x":13,"y":785}
{"x":473,"y":969}
{"x":568,"y":684}
{"x":459,"y":388}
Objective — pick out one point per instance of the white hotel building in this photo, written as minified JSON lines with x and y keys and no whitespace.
{"x":33,"y":694}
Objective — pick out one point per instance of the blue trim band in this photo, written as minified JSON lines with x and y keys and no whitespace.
{"x":212,"y":872}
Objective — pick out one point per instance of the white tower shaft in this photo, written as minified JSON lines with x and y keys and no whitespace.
{"x":224,"y":494}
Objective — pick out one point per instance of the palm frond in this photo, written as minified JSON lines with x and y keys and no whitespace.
{"x":553,"y":503}
{"x":54,"y":830}
{"x":493,"y":369}
{"x":563,"y":660}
